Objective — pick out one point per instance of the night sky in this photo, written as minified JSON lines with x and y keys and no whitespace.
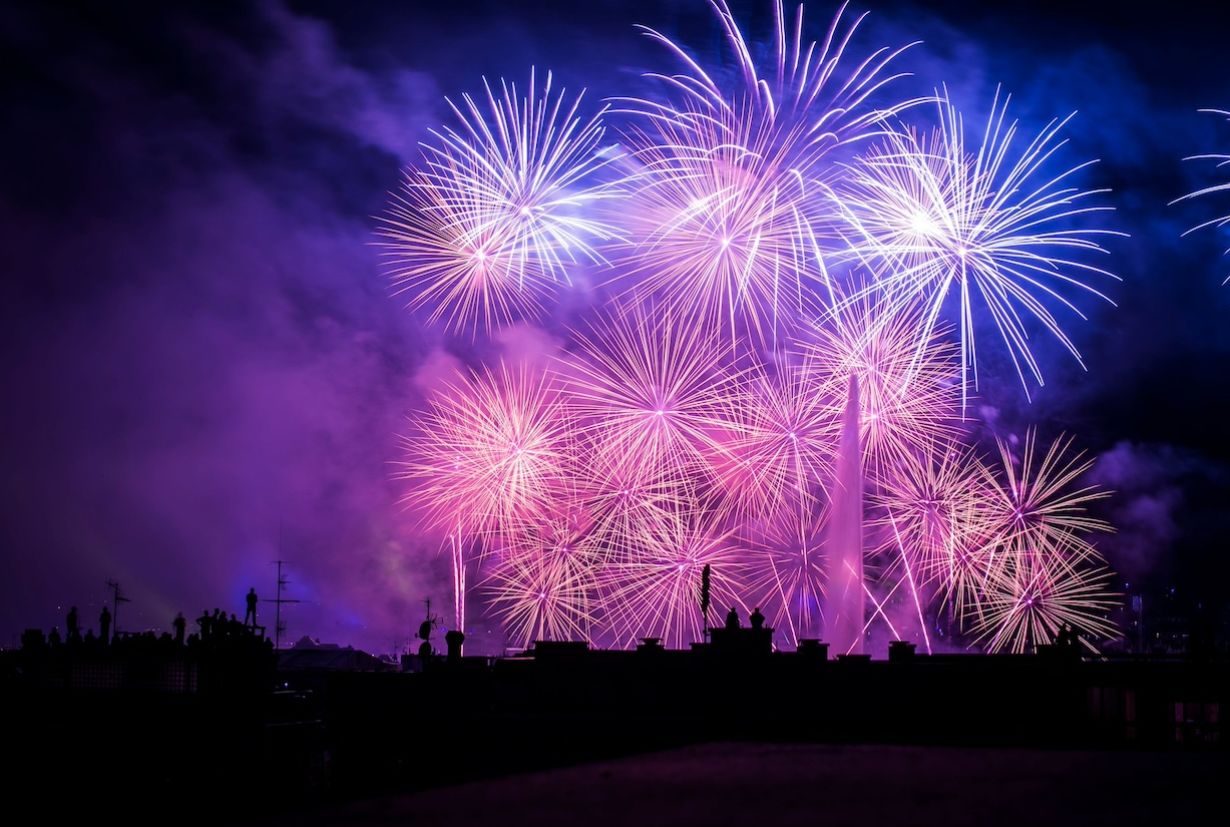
{"x":204,"y":368}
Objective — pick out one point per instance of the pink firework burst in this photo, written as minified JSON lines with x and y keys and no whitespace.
{"x":907,"y":388}
{"x":774,"y":455}
{"x":653,"y":588}
{"x":1036,"y":502}
{"x":489,"y":451}
{"x":1032,"y":596}
{"x":937,"y":509}
{"x":645,"y":389}
{"x":543,"y":592}
{"x":786,"y":573}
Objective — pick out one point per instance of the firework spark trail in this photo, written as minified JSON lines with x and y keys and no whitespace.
{"x":1221,"y":161}
{"x":488,"y":451}
{"x":488,"y":227}
{"x":933,"y":218}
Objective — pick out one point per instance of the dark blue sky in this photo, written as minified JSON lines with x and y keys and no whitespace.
{"x":202,"y":360}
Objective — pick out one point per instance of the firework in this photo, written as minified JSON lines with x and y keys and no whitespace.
{"x":786,"y":573}
{"x":776,"y":445}
{"x":645,"y":390}
{"x":624,"y":498}
{"x":727,"y":204}
{"x":906,"y":380}
{"x":544,"y":593}
{"x":489,"y":451}
{"x":1221,"y":161}
{"x":1032,"y":598}
{"x":782,"y":284}
{"x":485,"y":231}
{"x":1044,"y":572}
{"x":653,"y":589}
{"x":989,"y":227}
{"x":1036,"y":503}
{"x":937,"y":510}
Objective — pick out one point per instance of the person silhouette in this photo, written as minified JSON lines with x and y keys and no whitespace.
{"x":204,"y":621}
{"x":104,"y":626}
{"x":732,"y":619}
{"x":249,"y":617}
{"x":757,"y":619}
{"x":53,"y":639}
{"x":180,"y":624}
{"x":74,"y":628}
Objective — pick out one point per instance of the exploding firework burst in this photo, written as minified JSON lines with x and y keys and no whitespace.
{"x":786,"y":573}
{"x":487,"y":228}
{"x":1221,"y":161}
{"x":543,"y":593}
{"x":1037,"y":504}
{"x":775,"y":451}
{"x":623,"y":499}
{"x":937,"y":509}
{"x":653,"y":589}
{"x":1032,"y":598}
{"x":988,"y":226}
{"x":645,"y":390}
{"x":727,"y":198}
{"x":907,"y":392}
{"x":488,"y":452}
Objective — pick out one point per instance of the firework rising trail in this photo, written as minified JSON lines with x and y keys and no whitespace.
{"x":988,"y":226}
{"x":488,"y":452}
{"x":489,"y":226}
{"x":1221,"y":161}
{"x":727,"y":200}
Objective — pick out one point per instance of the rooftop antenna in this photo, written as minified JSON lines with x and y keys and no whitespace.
{"x":278,"y":626}
{"x":117,"y":597}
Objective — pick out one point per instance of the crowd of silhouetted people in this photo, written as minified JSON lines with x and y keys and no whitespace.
{"x":216,"y":631}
